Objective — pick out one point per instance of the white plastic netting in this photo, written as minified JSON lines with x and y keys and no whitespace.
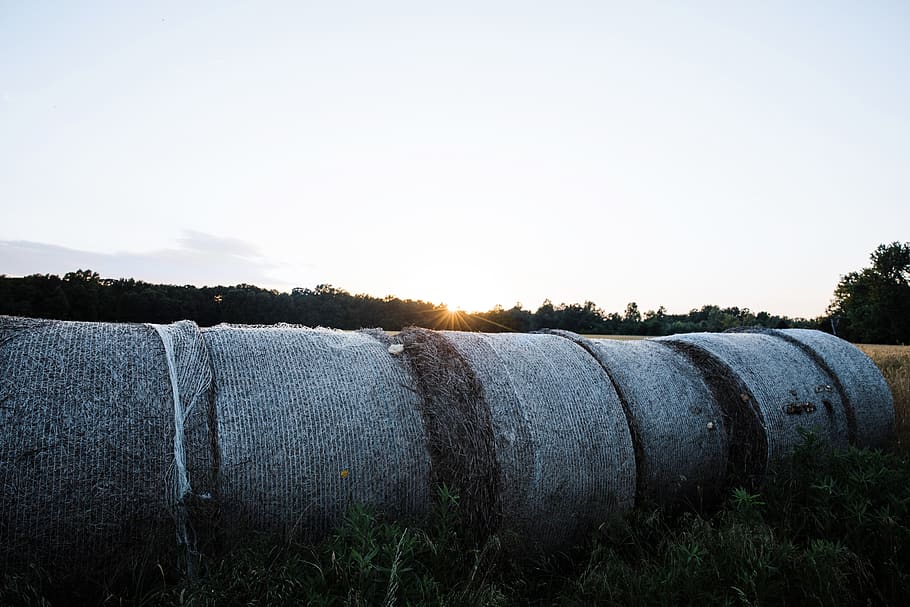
{"x":190,"y":381}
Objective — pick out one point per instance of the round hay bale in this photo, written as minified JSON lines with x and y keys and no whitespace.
{"x":677,"y":426}
{"x":311,"y":421}
{"x":562,"y":445}
{"x":458,"y":427}
{"x":790,"y":392}
{"x":95,"y":479}
{"x":869,"y":405}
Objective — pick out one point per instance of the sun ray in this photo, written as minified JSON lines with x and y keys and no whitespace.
{"x":488,"y":321}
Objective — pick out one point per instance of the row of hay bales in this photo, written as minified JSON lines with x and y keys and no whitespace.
{"x":121,"y":442}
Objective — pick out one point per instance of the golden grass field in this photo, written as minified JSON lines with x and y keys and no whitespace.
{"x":894,"y":362}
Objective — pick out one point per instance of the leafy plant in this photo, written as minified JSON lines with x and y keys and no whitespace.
{"x":828,"y":528}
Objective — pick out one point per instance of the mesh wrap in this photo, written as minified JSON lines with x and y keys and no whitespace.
{"x":118,"y":439}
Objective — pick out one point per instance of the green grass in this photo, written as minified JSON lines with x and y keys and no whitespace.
{"x":828,"y":529}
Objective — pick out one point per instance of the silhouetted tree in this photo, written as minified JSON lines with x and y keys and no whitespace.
{"x":873,"y":305}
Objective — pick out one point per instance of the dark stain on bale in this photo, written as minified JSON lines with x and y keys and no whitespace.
{"x":458,"y":426}
{"x":746,"y":435}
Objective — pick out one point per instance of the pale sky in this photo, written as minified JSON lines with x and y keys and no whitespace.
{"x":477,"y":153}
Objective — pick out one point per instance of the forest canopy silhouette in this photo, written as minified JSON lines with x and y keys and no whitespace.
{"x":871,"y":306}
{"x":85,"y":295}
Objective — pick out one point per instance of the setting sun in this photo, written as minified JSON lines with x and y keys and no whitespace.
{"x":451,"y":318}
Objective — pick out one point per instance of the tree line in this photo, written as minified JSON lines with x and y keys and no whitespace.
{"x":86,"y":296}
{"x":872,"y":306}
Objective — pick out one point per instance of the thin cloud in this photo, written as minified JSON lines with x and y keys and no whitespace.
{"x":199,"y":259}
{"x":209,"y":244}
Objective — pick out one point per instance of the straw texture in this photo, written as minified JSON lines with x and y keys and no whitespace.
{"x":311,"y":421}
{"x":677,"y":426}
{"x":87,"y":452}
{"x":790,"y":391}
{"x":458,"y":427}
{"x":562,"y":444}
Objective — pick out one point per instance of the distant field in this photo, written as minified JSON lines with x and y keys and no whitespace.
{"x":894,"y":362}
{"x":619,"y":337}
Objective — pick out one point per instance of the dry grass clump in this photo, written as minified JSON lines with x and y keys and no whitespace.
{"x":894,"y":363}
